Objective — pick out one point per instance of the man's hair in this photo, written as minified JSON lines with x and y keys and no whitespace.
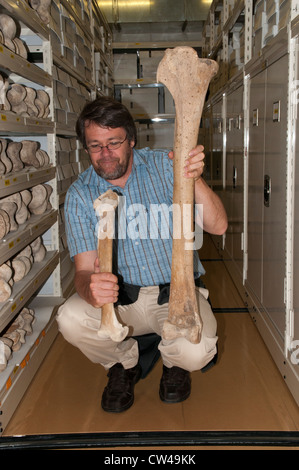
{"x":106,"y":112}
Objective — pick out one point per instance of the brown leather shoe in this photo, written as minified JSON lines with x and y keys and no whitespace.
{"x":118,"y":395}
{"x":175,"y":385}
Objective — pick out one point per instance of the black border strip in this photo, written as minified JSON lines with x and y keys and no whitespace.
{"x":151,"y":439}
{"x":230,"y":310}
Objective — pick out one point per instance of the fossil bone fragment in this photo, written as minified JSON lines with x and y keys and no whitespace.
{"x":4,"y":86}
{"x":13,"y":153}
{"x":10,"y":208}
{"x":42,"y":102}
{"x":29,"y":99}
{"x":105,"y":207}
{"x":28,"y":153}
{"x":5,"y":352}
{"x":38,"y":249}
{"x":187,"y":78}
{"x":16,"y":96}
{"x":26,"y":319}
{"x":4,"y":223}
{"x":8,"y":26}
{"x":40,"y":199}
{"x":5,"y":290}
{"x":20,"y":47}
{"x":42,"y":8}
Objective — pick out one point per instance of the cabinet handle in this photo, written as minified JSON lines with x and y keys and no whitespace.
{"x":234,"y":177}
{"x":267,"y":190}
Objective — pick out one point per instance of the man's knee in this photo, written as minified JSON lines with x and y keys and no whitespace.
{"x":188,"y":356}
{"x":67,"y":321}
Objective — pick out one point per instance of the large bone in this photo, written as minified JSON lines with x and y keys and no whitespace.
{"x":105,"y":207}
{"x":187,"y":78}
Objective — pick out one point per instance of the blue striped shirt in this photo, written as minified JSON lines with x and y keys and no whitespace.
{"x":145,"y":244}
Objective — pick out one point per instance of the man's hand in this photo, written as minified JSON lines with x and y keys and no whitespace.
{"x":103,"y":287}
{"x":195,"y":163}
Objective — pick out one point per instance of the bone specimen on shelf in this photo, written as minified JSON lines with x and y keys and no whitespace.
{"x":23,"y":214}
{"x":4,"y":223}
{"x":17,"y":199}
{"x":13,"y":153}
{"x":4,"y":85}
{"x":4,"y":157}
{"x":2,"y":166}
{"x":19,"y":269}
{"x":26,"y":257}
{"x":42,"y":102}
{"x":42,"y":8}
{"x":38,"y":249}
{"x":40,"y":199}
{"x":17,"y":336}
{"x":8,"y":27}
{"x":6,"y":272}
{"x":16,"y":95}
{"x":27,"y":319}
{"x":5,"y":352}
{"x":10,"y":207}
{"x":28,"y":153}
{"x":43,"y":157}
{"x":5,"y":290}
{"x":29,"y":99}
{"x":20,"y":48}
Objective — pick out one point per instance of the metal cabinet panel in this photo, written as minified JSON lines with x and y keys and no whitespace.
{"x":234,"y":187}
{"x":296,"y":243}
{"x":217,"y":147}
{"x":274,"y":236}
{"x":256,"y":182}
{"x":235,"y":131}
{"x":296,"y":223}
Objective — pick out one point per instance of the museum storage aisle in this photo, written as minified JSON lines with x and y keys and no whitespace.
{"x":65,"y":57}
{"x":243,"y":392}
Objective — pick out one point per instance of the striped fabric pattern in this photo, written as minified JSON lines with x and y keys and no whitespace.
{"x":145,"y":242}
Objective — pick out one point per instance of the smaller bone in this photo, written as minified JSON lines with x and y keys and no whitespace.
{"x":27,"y":315}
{"x":17,"y":337}
{"x":32,"y":110}
{"x":4,"y":85}
{"x":42,"y":8}
{"x":13,"y":153}
{"x":21,"y":48}
{"x":5,"y":290}
{"x":28,"y":153}
{"x":105,"y":207}
{"x":8,"y":26}
{"x":19,"y":268}
{"x":4,"y":223}
{"x":10,"y":208}
{"x":5,"y":352}
{"x":16,"y":96}
{"x":42,"y":102}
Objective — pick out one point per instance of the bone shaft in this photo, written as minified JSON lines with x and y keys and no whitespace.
{"x":105,"y":247}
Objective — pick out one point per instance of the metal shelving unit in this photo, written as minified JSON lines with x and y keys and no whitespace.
{"x":250,"y":123}
{"x":60,"y":61}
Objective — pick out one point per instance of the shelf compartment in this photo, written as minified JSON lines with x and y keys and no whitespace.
{"x":13,"y":182}
{"x":15,"y":63}
{"x":15,"y":379}
{"x":25,"y":234}
{"x":12,"y":122}
{"x":23,"y":290}
{"x":22,"y":12}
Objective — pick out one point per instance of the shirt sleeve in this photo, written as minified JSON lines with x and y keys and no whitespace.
{"x":80,"y":223}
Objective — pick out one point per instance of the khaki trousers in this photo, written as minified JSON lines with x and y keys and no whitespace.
{"x":79,"y":322}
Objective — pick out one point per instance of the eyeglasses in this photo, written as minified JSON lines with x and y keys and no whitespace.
{"x":94,"y":148}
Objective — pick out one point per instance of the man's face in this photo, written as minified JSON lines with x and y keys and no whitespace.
{"x":110,"y":164}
